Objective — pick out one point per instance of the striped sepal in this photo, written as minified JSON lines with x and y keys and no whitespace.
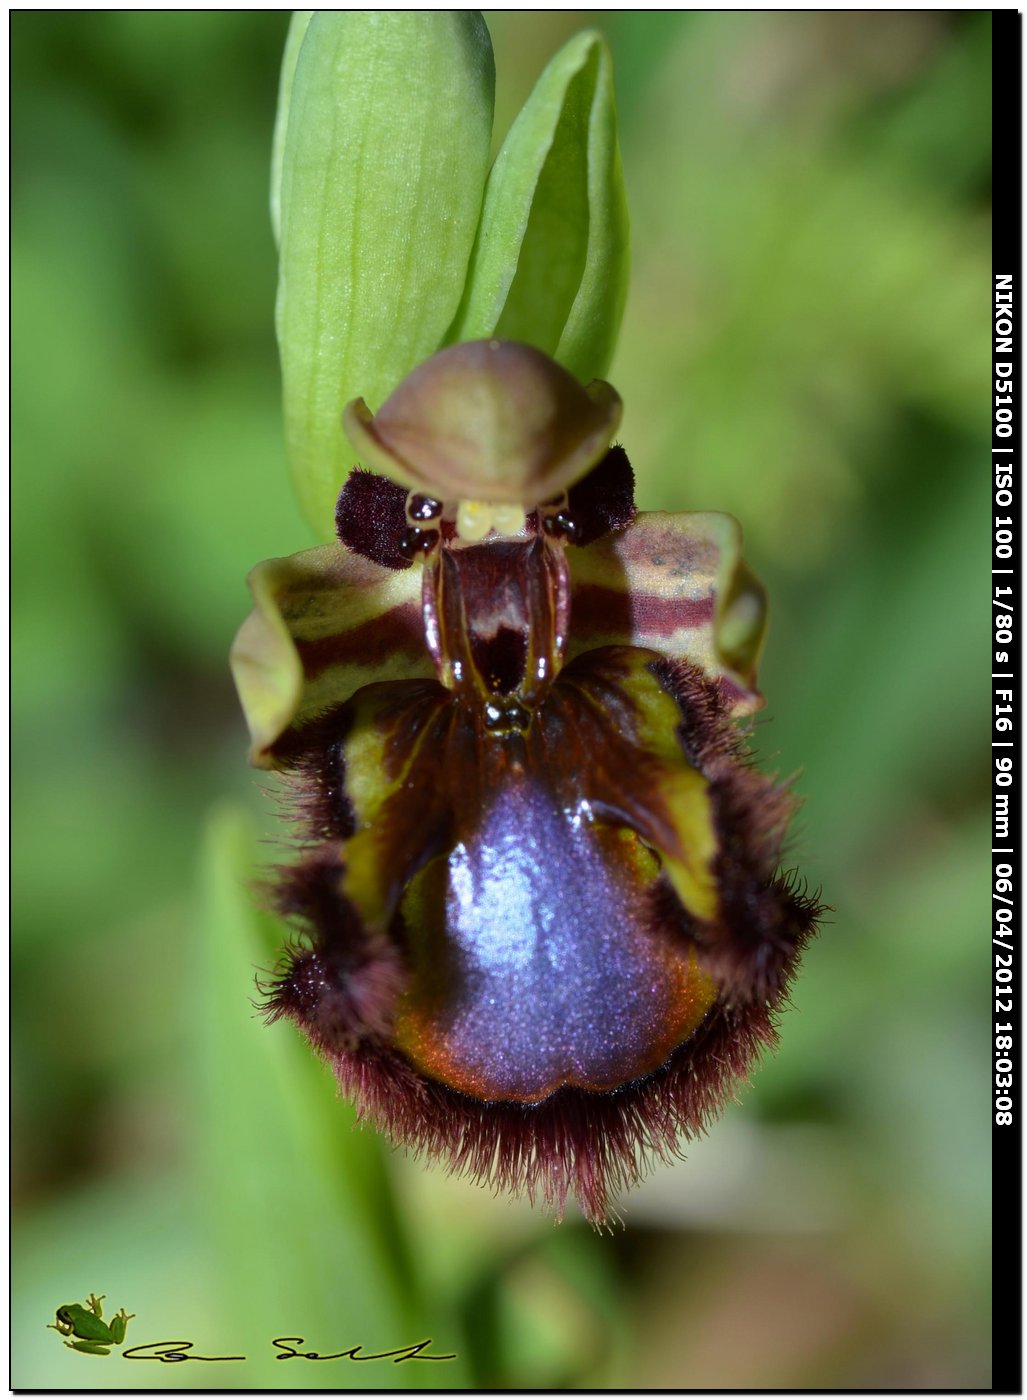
{"x":326,"y":622}
{"x":676,"y":584}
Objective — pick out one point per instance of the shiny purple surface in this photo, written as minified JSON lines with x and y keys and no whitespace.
{"x":535,"y":961}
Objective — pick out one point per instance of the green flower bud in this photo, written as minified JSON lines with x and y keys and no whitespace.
{"x":550,"y":263}
{"x":293,"y":44}
{"x":384,"y":132}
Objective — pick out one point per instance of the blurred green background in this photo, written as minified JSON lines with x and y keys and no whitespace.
{"x":806,"y":345}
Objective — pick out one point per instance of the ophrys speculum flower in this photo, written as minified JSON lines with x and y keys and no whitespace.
{"x":543,"y":924}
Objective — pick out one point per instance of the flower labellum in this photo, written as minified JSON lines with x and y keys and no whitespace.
{"x":542,"y":924}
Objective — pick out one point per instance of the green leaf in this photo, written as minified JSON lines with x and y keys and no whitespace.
{"x":550,"y":263}
{"x":294,"y":1196}
{"x":383,"y":163}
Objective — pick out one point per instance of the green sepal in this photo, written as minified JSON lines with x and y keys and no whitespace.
{"x":487,"y":420}
{"x":550,"y":263}
{"x":383,"y":160}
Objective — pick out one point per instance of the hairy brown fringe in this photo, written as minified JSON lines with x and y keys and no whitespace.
{"x":765,"y":919}
{"x":574,"y":1143}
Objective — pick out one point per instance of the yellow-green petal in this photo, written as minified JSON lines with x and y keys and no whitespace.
{"x":326,"y":622}
{"x":679,"y":585}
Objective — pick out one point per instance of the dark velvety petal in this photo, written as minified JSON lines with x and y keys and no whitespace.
{"x":677,"y":584}
{"x":604,"y":500}
{"x":544,"y":953}
{"x":370,"y":518}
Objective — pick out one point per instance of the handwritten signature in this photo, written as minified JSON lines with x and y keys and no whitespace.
{"x":172,"y":1352}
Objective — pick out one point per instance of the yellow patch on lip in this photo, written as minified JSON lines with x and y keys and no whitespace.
{"x":475,"y":519}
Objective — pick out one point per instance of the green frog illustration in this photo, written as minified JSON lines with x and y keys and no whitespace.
{"x":87,"y":1329}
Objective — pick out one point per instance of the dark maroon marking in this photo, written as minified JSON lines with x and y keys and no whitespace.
{"x":497,"y":608}
{"x":371,"y":518}
{"x":661,"y":617}
{"x":604,"y":500}
{"x":596,"y":609}
{"x":500,"y":660}
{"x":497,"y":571}
{"x":398,"y":630}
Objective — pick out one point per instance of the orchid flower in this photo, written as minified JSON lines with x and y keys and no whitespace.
{"x":541,"y":928}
